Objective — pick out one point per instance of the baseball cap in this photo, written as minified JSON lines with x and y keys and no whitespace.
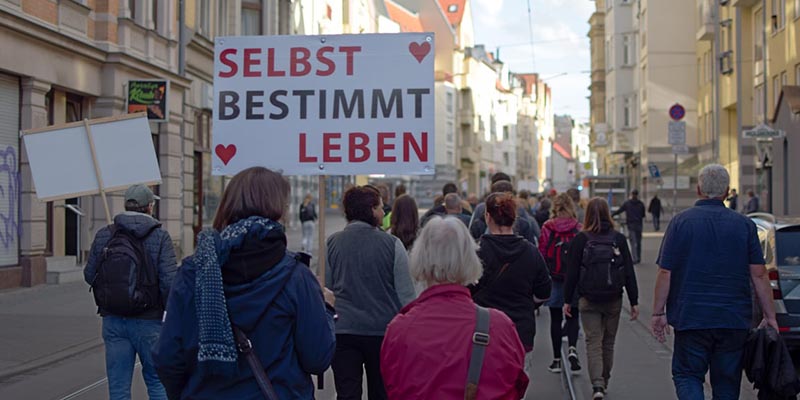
{"x":140,"y":194}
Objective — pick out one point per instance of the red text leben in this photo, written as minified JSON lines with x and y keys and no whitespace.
{"x":358,"y":147}
{"x":259,"y":62}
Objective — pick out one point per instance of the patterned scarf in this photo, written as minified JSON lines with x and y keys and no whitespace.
{"x":217,"y":354}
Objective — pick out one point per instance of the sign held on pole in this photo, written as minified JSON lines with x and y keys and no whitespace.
{"x":325,"y":105}
{"x":63,"y":165}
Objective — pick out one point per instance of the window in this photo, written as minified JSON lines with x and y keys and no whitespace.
{"x":758,"y":103}
{"x":203,"y":16}
{"x":784,"y":79}
{"x":758,"y":39}
{"x":154,"y":14}
{"x":776,"y":89}
{"x":251,"y":18}
{"x":222,"y":18}
{"x":450,"y":131}
{"x":132,"y":9}
{"x":626,"y":50}
{"x":778,"y":15}
{"x":609,"y":55}
{"x":505,"y":132}
{"x":506,"y":159}
{"x":449,"y":102}
{"x":699,"y":71}
{"x":452,"y":8}
{"x":627,"y":112}
{"x":797,"y":74}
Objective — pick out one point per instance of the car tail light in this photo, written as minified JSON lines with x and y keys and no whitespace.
{"x":775,"y":285}
{"x":783,"y":329}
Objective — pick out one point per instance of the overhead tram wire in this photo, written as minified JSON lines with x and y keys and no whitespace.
{"x":530,"y":33}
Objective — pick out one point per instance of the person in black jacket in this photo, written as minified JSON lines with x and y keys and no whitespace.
{"x":655,"y":210}
{"x":634,"y":218}
{"x":515,"y":277}
{"x":600,"y":303}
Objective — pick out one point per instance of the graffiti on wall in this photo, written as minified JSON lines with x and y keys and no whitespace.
{"x":10,"y":182}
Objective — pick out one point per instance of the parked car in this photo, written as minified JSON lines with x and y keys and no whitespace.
{"x":780,"y":240}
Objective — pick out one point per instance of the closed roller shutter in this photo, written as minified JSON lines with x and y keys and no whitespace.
{"x":9,"y":171}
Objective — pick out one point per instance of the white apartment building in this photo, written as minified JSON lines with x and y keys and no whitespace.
{"x":666,"y":75}
{"x":621,"y":91}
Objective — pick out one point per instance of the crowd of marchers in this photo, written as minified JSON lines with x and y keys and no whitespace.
{"x":441,"y":306}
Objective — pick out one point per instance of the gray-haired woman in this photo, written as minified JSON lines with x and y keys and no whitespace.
{"x":442,"y":321}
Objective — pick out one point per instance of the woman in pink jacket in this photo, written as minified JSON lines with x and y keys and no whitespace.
{"x":427,"y":348}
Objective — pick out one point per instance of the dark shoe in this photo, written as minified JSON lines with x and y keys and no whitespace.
{"x":555,"y":367}
{"x":599,"y":393}
{"x":574,"y":363}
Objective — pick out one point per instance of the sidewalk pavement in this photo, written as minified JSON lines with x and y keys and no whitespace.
{"x":45,"y":324}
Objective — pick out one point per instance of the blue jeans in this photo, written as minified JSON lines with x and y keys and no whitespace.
{"x":125,"y":338}
{"x":696,"y":351}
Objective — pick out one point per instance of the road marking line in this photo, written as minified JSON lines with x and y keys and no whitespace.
{"x":91,"y":387}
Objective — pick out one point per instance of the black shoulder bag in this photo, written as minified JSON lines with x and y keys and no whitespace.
{"x":245,"y":348}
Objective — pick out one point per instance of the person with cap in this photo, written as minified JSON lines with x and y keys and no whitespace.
{"x":131,"y":325}
{"x":634,"y":218}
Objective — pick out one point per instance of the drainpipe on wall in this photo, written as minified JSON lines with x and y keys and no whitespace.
{"x":739,"y":99}
{"x":717,"y":51}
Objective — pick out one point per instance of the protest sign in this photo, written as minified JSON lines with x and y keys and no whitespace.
{"x":91,"y":157}
{"x":324,"y":105}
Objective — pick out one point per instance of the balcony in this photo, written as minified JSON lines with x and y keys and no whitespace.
{"x":621,"y":142}
{"x":745,"y":3}
{"x":705,"y":21}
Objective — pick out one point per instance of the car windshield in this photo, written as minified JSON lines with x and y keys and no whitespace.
{"x":787,"y":245}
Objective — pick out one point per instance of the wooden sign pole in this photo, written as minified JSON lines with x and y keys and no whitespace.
{"x":97,"y":171}
{"x":323,"y":251}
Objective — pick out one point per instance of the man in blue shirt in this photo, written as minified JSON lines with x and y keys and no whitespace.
{"x":709,"y":257}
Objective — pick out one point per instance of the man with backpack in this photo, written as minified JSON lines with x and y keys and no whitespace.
{"x":634,"y":218}
{"x":130,"y":270}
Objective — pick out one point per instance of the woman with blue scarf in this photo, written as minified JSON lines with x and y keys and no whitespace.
{"x":242,"y":274}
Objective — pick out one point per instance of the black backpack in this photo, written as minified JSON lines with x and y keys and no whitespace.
{"x":126,"y":282}
{"x":602,"y":274}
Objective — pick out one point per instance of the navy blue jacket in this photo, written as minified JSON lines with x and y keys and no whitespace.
{"x":158,"y":246}
{"x":279,"y":305}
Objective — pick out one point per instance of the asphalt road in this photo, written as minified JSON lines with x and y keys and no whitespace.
{"x":641,"y":367}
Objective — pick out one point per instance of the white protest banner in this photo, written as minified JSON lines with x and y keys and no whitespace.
{"x":324,"y":105}
{"x":91,"y":157}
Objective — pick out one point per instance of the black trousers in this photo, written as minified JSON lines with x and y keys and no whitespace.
{"x":354,"y":354}
{"x":635,"y":235}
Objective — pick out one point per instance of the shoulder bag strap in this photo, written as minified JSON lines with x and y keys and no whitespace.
{"x":480,"y":340}
{"x":490,"y":281}
{"x":246,"y":349}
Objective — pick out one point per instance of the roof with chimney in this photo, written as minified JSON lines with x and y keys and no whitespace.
{"x":409,"y":21}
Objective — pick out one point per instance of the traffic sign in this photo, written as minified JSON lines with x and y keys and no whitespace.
{"x":677,"y":132}
{"x":654,"y":172}
{"x":680,"y":149}
{"x":677,"y":112}
{"x":763,"y":131}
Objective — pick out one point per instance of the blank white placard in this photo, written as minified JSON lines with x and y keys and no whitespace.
{"x":61,"y":160}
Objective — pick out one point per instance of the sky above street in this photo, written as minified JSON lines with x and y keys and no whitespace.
{"x":560,"y":44}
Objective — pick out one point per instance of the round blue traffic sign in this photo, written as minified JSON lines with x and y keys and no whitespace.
{"x":677,"y":112}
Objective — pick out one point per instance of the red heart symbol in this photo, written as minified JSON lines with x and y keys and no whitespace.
{"x":225,"y":153}
{"x":419,"y":51}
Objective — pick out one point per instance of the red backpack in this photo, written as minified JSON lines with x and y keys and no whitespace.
{"x":556,"y":251}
